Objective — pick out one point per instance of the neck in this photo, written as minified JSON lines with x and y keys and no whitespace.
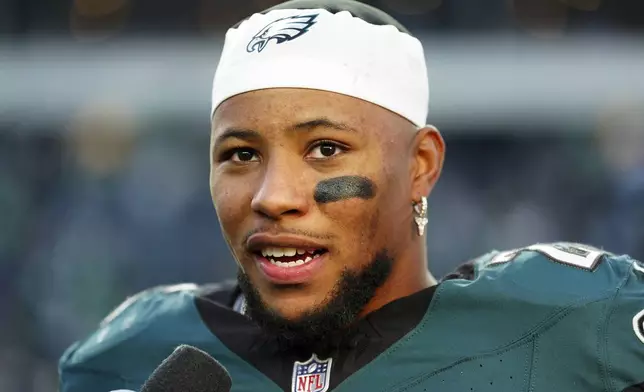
{"x":409,"y":275}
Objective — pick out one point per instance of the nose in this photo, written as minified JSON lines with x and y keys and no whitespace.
{"x":281,"y":193}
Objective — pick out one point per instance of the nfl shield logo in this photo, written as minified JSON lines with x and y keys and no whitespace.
{"x":312,"y":375}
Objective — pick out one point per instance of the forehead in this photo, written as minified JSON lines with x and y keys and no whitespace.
{"x":283,"y":107}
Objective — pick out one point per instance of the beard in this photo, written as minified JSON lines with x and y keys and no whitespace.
{"x":323,"y":328}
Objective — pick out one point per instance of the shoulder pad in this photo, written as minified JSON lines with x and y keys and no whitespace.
{"x":556,"y":272}
{"x":567,"y":253}
{"x":132,"y":317}
{"x":159,"y":291}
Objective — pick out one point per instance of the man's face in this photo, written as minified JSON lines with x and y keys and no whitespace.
{"x":309,"y":186}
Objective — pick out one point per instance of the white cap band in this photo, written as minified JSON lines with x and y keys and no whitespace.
{"x":316,"y":49}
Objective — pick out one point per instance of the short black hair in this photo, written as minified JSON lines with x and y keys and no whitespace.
{"x":360,"y":10}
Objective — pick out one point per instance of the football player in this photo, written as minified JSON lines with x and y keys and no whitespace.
{"x":321,"y":163}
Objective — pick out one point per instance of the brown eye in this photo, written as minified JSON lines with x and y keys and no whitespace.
{"x":243,"y":155}
{"x":325,"y":150}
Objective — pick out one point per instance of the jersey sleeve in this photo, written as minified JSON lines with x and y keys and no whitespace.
{"x":77,"y":378}
{"x":623,"y":343}
{"x":91,"y":364}
{"x":111,"y":358}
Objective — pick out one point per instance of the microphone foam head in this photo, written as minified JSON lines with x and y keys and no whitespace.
{"x":188,"y":369}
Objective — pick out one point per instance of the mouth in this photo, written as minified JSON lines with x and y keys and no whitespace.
{"x":287,"y":260}
{"x":290,"y":257}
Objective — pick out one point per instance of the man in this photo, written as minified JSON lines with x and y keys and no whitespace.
{"x":320,"y":167}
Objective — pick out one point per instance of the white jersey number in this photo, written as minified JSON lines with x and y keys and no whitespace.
{"x":575,"y":255}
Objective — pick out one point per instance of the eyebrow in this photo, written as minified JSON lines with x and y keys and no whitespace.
{"x":237,"y":133}
{"x":322,"y":122}
{"x":249,"y":134}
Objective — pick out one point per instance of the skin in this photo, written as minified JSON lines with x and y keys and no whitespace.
{"x":265,"y":181}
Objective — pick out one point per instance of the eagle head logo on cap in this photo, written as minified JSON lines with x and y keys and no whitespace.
{"x":281,"y":30}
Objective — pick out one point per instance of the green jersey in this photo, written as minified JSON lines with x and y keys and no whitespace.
{"x":548,"y":317}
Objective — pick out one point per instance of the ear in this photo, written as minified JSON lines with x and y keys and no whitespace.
{"x":428,"y":154}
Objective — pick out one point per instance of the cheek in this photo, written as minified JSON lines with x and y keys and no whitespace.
{"x":367,"y":214}
{"x":352,"y":204}
{"x":230,"y":199}
{"x":355,"y":225}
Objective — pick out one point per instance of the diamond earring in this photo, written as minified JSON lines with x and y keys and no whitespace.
{"x":420,"y":210}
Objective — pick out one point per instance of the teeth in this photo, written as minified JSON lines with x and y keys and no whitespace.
{"x":290,"y":263}
{"x":280,"y":252}
{"x":277,"y":252}
{"x":273,"y":255}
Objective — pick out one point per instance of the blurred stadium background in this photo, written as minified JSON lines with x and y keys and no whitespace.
{"x":104,"y":146}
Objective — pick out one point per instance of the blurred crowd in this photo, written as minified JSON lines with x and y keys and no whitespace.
{"x":109,"y":203}
{"x":107,"y":18}
{"x":98,"y":212}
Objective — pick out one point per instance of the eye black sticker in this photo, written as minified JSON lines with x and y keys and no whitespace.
{"x":343,"y":188}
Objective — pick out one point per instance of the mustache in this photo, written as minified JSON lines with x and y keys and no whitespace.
{"x":275,"y":230}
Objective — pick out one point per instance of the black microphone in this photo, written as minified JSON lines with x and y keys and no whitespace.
{"x":188,"y":369}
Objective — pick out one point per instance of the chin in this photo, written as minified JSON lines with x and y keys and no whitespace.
{"x":293,"y":303}
{"x":291,"y":314}
{"x":309,"y":314}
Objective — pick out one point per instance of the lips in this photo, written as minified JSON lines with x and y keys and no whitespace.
{"x":297,"y":274}
{"x":285,"y":259}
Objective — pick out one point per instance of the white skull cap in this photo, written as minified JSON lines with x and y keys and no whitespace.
{"x":317,"y":49}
